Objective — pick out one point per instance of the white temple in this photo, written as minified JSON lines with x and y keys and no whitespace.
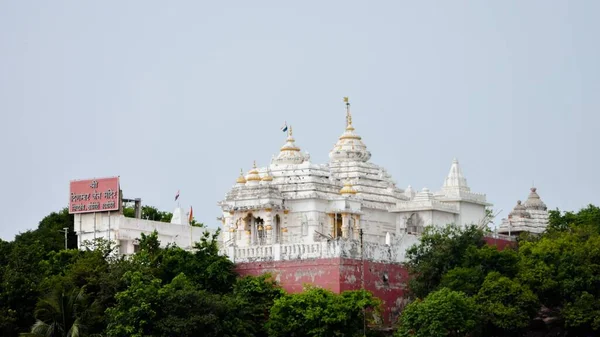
{"x":296,"y":203}
{"x":530,"y":217}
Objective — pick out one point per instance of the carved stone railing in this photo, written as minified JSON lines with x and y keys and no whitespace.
{"x":418,"y":205}
{"x":395,"y":252}
{"x":371,"y":251}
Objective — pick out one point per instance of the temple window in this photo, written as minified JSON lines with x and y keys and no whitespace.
{"x":260,"y":231}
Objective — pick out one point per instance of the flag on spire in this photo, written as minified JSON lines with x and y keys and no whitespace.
{"x":346,"y":100}
{"x":177,"y":195}
{"x":284,"y":127}
{"x":191,"y":215}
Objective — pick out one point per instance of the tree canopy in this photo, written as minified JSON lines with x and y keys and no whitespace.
{"x":460,"y":286}
{"x":158,"y":291}
{"x":549,"y":282}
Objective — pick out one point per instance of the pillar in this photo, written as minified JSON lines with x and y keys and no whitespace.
{"x":269,"y":226}
{"x":252,"y":232}
{"x":356,"y":226}
{"x":284,"y":227}
{"x":332,"y":224}
{"x":345,"y":225}
{"x":229,"y":227}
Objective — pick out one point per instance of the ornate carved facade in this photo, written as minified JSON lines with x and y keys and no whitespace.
{"x":294,"y":201}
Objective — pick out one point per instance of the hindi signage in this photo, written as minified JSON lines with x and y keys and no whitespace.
{"x":94,"y":195}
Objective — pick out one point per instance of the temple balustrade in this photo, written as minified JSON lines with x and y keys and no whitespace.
{"x":337,"y":248}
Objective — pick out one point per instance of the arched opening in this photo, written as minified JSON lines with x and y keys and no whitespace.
{"x":337,"y":226}
{"x":277,"y":228}
{"x":261,"y":233}
{"x":248,"y":227}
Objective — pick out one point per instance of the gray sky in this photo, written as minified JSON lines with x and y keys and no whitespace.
{"x":180,"y":95}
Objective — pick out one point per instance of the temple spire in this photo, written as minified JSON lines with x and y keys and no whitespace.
{"x":289,"y":152}
{"x":455,"y":178}
{"x":349,"y":146}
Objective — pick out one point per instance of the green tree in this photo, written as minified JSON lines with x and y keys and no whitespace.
{"x":61,"y":314}
{"x":23,"y":268}
{"x":319,"y":312}
{"x":135,"y":309}
{"x":507,"y":305}
{"x":563,"y":268}
{"x":441,"y":313}
{"x":20,"y":286}
{"x":439,"y":251}
{"x":149,"y":213}
{"x":476,"y":263}
{"x":186,"y":311}
{"x":255,"y":296}
{"x":562,"y":221}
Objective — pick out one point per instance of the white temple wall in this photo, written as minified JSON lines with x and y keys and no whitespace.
{"x":125,"y":231}
{"x":441,"y":219}
{"x":306,"y":217}
{"x":470,"y":213}
{"x":376,"y":223}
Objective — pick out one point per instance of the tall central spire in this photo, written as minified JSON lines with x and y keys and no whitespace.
{"x":349,"y":146}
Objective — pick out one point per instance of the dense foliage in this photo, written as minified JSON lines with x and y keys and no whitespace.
{"x":461,"y":286}
{"x":548,"y":284}
{"x":46,"y":290}
{"x":319,"y":312}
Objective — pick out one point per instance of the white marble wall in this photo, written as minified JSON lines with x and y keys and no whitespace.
{"x":123,"y":231}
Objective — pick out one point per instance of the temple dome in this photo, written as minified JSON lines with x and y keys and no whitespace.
{"x":349,"y":146}
{"x":241,"y":179}
{"x":289,"y":152}
{"x":534,"y":202}
{"x":519,"y":211}
{"x":253,"y":175}
{"x":267,"y":177}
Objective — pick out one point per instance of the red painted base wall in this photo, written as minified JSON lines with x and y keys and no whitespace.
{"x":387,"y":281}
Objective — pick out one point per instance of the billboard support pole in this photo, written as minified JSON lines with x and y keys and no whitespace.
{"x":109,"y":230}
{"x":80,"y":233}
{"x":94,"y":230}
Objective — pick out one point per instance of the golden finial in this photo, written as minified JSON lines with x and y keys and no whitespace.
{"x":348,"y":188}
{"x":348,"y":114}
{"x":254,"y":165}
{"x":241,"y":179}
{"x":290,"y":131}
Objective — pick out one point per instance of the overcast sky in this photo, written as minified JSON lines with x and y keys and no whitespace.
{"x":181,"y":95}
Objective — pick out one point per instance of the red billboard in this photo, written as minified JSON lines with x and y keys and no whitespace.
{"x":94,"y":195}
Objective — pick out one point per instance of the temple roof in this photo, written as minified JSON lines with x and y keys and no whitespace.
{"x":519,"y":211}
{"x":455,"y":188}
{"x":424,"y":200}
{"x":531,"y":216}
{"x":455,"y":179}
{"x":289,"y":152}
{"x":349,"y":146}
{"x":534,"y":202}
